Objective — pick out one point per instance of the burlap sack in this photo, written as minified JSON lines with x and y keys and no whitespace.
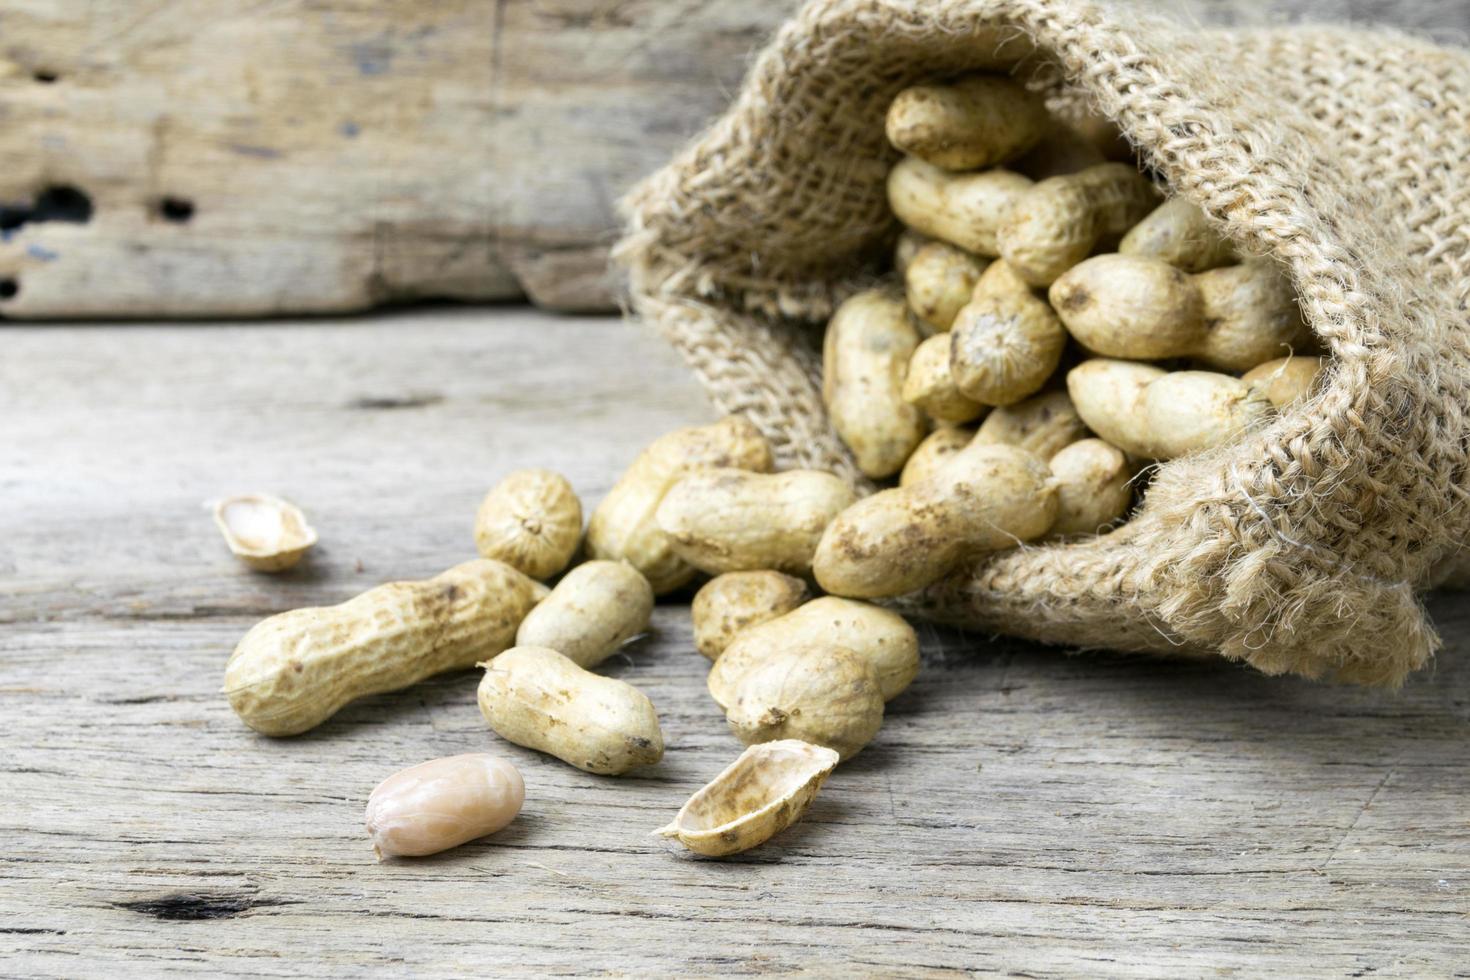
{"x":1344,"y":153}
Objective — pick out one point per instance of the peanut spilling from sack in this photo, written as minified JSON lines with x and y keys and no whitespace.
{"x":624,"y":527}
{"x":1056,"y":323}
{"x":1106,"y":325}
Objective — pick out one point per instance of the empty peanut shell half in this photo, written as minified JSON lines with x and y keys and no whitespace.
{"x":762,"y":793}
{"x":267,"y":533}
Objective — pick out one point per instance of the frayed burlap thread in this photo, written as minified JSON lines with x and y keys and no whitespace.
{"x":1345,"y":154}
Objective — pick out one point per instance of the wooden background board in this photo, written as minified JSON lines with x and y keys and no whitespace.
{"x":336,"y":155}
{"x":1022,"y":812}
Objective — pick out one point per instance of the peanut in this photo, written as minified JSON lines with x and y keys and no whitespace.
{"x":1153,"y":414}
{"x":908,"y":245}
{"x":987,"y":497}
{"x":1286,"y":380}
{"x":879,"y":636}
{"x":443,"y":803}
{"x":1005,"y":342}
{"x":1093,"y":487}
{"x":1130,"y":306}
{"x":962,"y":209}
{"x":1251,"y":316}
{"x":1044,"y":425}
{"x":865,"y":353}
{"x":1109,"y":396}
{"x":734,"y":521}
{"x":736,"y":601}
{"x":1059,"y":221}
{"x":596,"y":608}
{"x":976,"y":121}
{"x":536,"y":697}
{"x":930,"y":387}
{"x":266,"y":533}
{"x":938,"y":280}
{"x":532,"y":521}
{"x":293,"y":671}
{"x":1190,"y":411}
{"x":623,"y":526}
{"x":1177,"y":232}
{"x":936,"y":449}
{"x":1142,"y":308}
{"x":823,"y":694}
{"x":759,"y":795}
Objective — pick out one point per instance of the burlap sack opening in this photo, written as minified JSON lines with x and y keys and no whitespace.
{"x":1345,"y":154}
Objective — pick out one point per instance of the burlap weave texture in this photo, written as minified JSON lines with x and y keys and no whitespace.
{"x":1343,"y":153}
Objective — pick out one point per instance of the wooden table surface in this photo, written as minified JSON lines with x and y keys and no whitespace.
{"x":1023,"y":812}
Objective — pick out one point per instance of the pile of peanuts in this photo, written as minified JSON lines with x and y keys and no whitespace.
{"x":1007,"y":387}
{"x":1010,"y":388}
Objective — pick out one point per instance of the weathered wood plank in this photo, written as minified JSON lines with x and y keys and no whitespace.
{"x":281,"y":157}
{"x":1022,"y":811}
{"x":286,"y":157}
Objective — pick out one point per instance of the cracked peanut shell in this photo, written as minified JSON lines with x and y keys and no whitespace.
{"x":756,"y":797}
{"x":265,"y":532}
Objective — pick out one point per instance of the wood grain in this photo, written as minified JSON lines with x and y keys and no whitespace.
{"x":336,"y":155}
{"x":1022,"y":812}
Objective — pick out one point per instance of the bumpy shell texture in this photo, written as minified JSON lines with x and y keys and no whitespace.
{"x":295,"y":670}
{"x":735,"y":601}
{"x":532,"y":521}
{"x":1043,"y":425}
{"x":623,"y":526}
{"x":596,"y":608}
{"x":865,"y":355}
{"x":822,"y":694}
{"x":728,"y":520}
{"x":536,"y":697}
{"x":880,"y":636}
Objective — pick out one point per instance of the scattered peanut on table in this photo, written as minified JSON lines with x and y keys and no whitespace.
{"x":443,"y":803}
{"x":879,"y":636}
{"x":767,"y":789}
{"x":532,"y":521}
{"x":536,"y":697}
{"x":596,"y":608}
{"x":726,"y":520}
{"x":624,"y":527}
{"x":822,"y":693}
{"x":293,"y":671}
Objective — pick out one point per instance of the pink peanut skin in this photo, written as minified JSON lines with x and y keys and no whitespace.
{"x":443,"y":803}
